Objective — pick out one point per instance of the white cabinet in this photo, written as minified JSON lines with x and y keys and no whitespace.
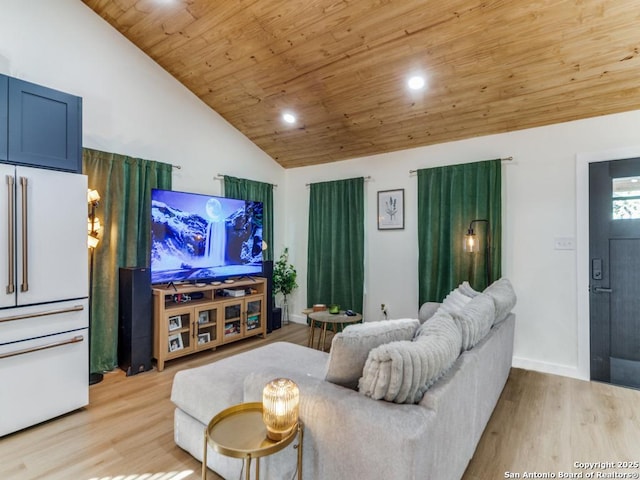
{"x":44,"y":364}
{"x":42,"y":214}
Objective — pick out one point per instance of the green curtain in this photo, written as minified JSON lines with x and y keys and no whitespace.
{"x":449,"y":198}
{"x":335,"y":266}
{"x":258,"y":192}
{"x":124,"y":184}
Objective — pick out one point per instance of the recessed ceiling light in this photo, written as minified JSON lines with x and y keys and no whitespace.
{"x":416,"y":82}
{"x":289,"y":118}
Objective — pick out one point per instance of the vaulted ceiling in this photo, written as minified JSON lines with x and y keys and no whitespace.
{"x":342,"y":65}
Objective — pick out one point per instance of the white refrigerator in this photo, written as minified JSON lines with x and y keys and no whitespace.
{"x":44,"y":314}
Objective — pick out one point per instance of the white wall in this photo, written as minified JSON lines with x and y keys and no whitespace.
{"x":131,"y":106}
{"x":539,"y":204}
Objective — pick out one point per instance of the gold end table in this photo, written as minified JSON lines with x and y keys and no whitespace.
{"x":239,"y":432}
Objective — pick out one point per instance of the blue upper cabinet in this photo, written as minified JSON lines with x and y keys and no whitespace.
{"x":44,"y":127}
{"x":4,"y":122}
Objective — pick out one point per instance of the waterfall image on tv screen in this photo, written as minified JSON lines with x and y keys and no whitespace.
{"x":198,"y":237}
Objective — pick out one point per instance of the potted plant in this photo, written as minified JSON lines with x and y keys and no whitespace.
{"x":284,"y":281}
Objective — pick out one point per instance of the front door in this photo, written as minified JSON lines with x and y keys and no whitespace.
{"x":614,"y":284}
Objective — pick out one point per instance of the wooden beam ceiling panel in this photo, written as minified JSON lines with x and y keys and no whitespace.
{"x":455,"y":124}
{"x":492,"y":65}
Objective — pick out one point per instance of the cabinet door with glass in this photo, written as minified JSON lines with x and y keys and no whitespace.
{"x":254,"y":315}
{"x":207,"y":318}
{"x":232,"y":318}
{"x":179,"y":331}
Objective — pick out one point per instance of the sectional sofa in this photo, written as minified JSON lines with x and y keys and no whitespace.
{"x":406,"y":399}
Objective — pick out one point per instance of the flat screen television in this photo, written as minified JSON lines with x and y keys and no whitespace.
{"x":201,"y":238}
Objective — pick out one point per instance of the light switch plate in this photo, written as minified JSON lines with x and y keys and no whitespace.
{"x":565,"y":243}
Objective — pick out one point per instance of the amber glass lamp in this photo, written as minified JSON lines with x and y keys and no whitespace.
{"x":470,"y":241}
{"x":471,"y":245}
{"x":280,"y":400}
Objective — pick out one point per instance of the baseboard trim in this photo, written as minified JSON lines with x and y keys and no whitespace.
{"x":545,"y":367}
{"x":301,"y":319}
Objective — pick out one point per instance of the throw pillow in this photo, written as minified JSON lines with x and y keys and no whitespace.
{"x":454,"y":302}
{"x":466,"y":289}
{"x":350,"y":348}
{"x":504,"y":298}
{"x":401,"y":372}
{"x":427,"y":311}
{"x":475,"y":320}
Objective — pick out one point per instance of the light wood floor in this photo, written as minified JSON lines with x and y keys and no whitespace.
{"x":543,"y":423}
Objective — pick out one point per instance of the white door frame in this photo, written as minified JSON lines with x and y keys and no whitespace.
{"x":582,"y":246}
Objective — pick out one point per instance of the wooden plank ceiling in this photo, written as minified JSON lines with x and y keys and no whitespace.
{"x":342,"y":66}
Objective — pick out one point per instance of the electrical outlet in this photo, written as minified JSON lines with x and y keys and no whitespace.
{"x":565,"y":243}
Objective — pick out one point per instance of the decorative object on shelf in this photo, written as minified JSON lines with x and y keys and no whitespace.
{"x":334,"y":309}
{"x":175,"y":322}
{"x":284,"y":281}
{"x":391,"y":209}
{"x":204,"y":338}
{"x":175,"y":343}
{"x":203,"y":317}
{"x":280,"y":400}
{"x":253,"y":321}
{"x":472,"y":245}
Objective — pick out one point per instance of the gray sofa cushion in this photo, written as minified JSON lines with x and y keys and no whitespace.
{"x":504,"y":298}
{"x":350,"y":348}
{"x":204,"y":391}
{"x":466,"y":289}
{"x":475,"y":320}
{"x":402,"y":371}
{"x":427,"y":310}
{"x":454,"y":302}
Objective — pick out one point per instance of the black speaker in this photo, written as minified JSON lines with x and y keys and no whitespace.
{"x":267,"y":272}
{"x":135,"y":322}
{"x":276,"y":321}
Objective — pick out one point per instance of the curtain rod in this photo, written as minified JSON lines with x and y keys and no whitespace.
{"x":505,"y":159}
{"x":221,"y":176}
{"x":366,"y":179}
{"x":177,"y":166}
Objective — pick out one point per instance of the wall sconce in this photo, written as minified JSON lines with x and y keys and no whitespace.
{"x":280,"y":400}
{"x":471,"y":245}
{"x":92,"y":241}
{"x":93,"y":228}
{"x":93,"y":196}
{"x":93,"y":223}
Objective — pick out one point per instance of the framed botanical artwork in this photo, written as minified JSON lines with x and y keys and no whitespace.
{"x":391,"y":209}
{"x":175,"y":343}
{"x":175,"y":322}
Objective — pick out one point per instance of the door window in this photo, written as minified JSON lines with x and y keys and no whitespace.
{"x":626,"y":198}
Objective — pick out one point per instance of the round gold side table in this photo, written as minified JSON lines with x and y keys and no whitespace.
{"x":239,"y":432}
